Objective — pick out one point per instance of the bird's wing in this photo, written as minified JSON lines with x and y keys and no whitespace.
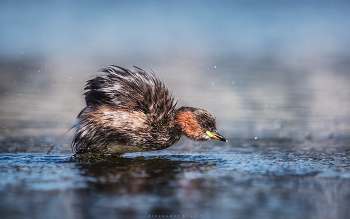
{"x":131,"y":90}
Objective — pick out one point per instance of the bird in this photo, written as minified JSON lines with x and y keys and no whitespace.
{"x":133,"y":111}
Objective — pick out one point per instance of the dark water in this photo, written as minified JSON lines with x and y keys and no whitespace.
{"x":246,"y":181}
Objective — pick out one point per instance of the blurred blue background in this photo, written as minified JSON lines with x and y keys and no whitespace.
{"x":275,"y":74}
{"x":265,"y":69}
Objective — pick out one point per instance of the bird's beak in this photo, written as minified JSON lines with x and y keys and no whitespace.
{"x":216,"y":135}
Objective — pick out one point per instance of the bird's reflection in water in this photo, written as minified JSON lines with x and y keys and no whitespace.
{"x":146,"y":185}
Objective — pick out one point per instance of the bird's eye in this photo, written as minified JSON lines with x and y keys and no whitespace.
{"x":205,"y":126}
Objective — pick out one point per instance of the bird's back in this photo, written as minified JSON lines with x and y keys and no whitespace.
{"x":132,"y":91}
{"x":128,"y":108}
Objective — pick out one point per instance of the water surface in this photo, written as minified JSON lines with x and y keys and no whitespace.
{"x":247,"y":181}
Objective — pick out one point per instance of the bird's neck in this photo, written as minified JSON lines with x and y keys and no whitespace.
{"x":187,"y":122}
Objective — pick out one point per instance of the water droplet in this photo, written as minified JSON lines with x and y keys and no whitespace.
{"x":233,"y":82}
{"x":215,"y":66}
{"x":256,"y":138}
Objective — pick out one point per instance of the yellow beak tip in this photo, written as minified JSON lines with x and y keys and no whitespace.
{"x":216,"y":136}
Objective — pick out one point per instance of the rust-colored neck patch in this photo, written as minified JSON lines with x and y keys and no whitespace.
{"x":189,"y":124}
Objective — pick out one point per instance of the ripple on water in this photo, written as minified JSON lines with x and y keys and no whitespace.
{"x":226,"y":181}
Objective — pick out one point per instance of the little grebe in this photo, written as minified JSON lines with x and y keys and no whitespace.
{"x":132,"y":111}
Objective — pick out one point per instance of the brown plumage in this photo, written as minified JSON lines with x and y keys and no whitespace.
{"x":132,"y":111}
